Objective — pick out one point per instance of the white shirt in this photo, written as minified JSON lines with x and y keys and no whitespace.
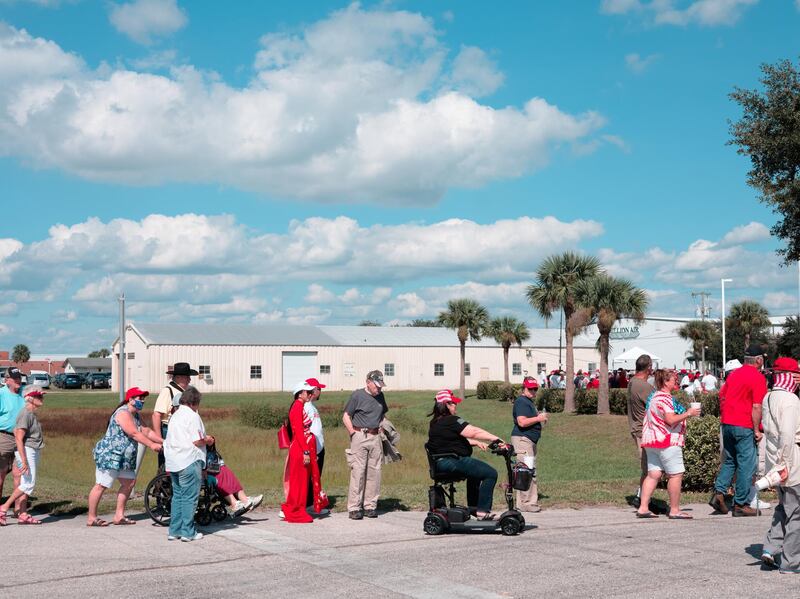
{"x":697,"y":387}
{"x":315,"y":428}
{"x":685,"y":382}
{"x":180,"y":452}
{"x":709,"y":382}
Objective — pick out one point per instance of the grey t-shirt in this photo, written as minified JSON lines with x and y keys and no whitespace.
{"x":366,"y":411}
{"x":28,"y":421}
{"x":638,"y":392}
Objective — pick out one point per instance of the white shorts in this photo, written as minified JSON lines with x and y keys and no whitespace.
{"x":668,"y":460}
{"x":28,"y":480}
{"x":106,"y":478}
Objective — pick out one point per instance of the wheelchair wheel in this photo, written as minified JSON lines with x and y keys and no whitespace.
{"x":510,"y":526}
{"x":158,"y":499}
{"x":219,"y":513}
{"x":434,"y":525}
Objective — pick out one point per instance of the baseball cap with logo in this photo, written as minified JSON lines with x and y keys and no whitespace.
{"x":315,"y":383}
{"x":13,"y":373}
{"x":530,"y":383}
{"x":446,"y":396}
{"x":754,"y":350}
{"x":376,"y":376}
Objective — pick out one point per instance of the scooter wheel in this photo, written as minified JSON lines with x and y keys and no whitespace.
{"x":434,"y":525}
{"x":510,"y":526}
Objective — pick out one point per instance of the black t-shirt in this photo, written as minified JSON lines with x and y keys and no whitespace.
{"x":444,"y":436}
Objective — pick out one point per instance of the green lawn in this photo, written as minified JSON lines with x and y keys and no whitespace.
{"x":582,"y":459}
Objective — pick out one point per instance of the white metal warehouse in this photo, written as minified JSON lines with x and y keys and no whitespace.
{"x":237,"y":357}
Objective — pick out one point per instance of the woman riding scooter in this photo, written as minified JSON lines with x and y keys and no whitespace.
{"x":450,"y":434}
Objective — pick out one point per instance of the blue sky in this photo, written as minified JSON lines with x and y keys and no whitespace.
{"x":327,"y":163}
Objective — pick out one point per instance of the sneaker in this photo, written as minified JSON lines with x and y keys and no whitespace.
{"x":281,"y":515}
{"x":197,"y":536}
{"x":768,"y":560}
{"x":757,"y":504}
{"x":239,"y":508}
{"x":371,"y":514}
{"x":356,"y":515}
{"x":743,"y":510}
{"x":782,"y":571}
{"x":717,"y":501}
{"x":255,"y":502}
{"x":172,"y":538}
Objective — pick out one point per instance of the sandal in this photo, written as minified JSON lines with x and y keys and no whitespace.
{"x":646,"y":515}
{"x":26,"y":518}
{"x":680,"y":516}
{"x":124,"y":522}
{"x":486,"y":516}
{"x":97,"y":522}
{"x":3,"y":521}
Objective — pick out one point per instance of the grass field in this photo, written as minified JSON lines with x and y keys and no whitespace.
{"x":582,"y":459}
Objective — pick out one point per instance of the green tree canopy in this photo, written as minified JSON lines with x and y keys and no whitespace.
{"x":469,"y":319}
{"x":747,"y":322}
{"x":99,"y":353}
{"x":769,"y":134}
{"x":20,"y":353}
{"x":788,"y":342}
{"x":507,"y":330}
{"x":424,"y":322}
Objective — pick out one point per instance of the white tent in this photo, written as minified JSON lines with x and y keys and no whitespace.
{"x":627,"y":359}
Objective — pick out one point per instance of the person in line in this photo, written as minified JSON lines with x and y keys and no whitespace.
{"x":302,"y":462}
{"x":448,"y":433}
{"x":28,"y":436}
{"x":185,"y":458}
{"x":362,"y":418}
{"x":311,"y":414}
{"x":708,"y":382}
{"x":622,"y":379}
{"x":11,"y":402}
{"x":229,"y":486}
{"x":181,"y":374}
{"x":686,"y":381}
{"x":781,"y":418}
{"x":663,"y":439}
{"x":639,"y":390}
{"x":525,"y":437}
{"x":740,"y":416}
{"x":115,"y":456}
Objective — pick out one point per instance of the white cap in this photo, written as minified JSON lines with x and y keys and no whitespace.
{"x":302,"y":386}
{"x":732,"y":365}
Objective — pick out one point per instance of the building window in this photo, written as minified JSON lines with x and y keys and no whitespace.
{"x":255,"y":372}
{"x":324,"y":368}
{"x":204,"y":370}
{"x":131,"y":356}
{"x":592,"y":366}
{"x":438,"y":370}
{"x":516,"y":369}
{"x":466,"y":370}
{"x":541,"y":367}
{"x":388,"y":370}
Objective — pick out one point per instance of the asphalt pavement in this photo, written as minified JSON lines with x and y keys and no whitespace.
{"x":591,"y":552}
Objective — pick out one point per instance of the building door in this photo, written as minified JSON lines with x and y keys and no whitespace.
{"x":484,"y":373}
{"x":298,"y":366}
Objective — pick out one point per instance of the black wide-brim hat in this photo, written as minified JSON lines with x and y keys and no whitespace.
{"x":182,"y":369}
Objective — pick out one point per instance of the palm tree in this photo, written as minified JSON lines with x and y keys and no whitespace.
{"x":610,"y":299}
{"x":469,"y":319}
{"x":700,"y":333}
{"x":748,"y":318}
{"x":20,"y":354}
{"x":557,"y":279}
{"x":507,"y":330}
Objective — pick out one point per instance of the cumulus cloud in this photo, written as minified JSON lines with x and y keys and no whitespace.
{"x":639,"y":64}
{"x":145,"y":20}
{"x":363,"y":106}
{"x":780,"y":300}
{"x":750,"y":233}
{"x":707,"y":13}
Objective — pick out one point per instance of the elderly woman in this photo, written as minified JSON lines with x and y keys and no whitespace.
{"x":28,"y":436}
{"x":185,"y":458}
{"x":663,"y":439}
{"x":115,"y":455}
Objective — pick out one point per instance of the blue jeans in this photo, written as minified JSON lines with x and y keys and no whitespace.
{"x":481,"y":479}
{"x":185,"y":493}
{"x":741,"y":458}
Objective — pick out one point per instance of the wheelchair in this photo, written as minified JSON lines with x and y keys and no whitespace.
{"x":158,"y":501}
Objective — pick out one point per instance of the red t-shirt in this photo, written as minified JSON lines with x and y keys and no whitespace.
{"x":744,"y":387}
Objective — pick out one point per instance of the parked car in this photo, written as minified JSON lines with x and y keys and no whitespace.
{"x":39,"y":378}
{"x":73,"y":381}
{"x":58,"y":380}
{"x":99,"y":380}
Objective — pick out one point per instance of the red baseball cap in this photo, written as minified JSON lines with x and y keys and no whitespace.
{"x":446,"y":396}
{"x":315,"y":383}
{"x":530,"y":383}
{"x":135,"y":392}
{"x":786,"y":365}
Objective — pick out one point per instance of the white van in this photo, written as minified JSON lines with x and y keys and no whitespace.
{"x":39,"y":377}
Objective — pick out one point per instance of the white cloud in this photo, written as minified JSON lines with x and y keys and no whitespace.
{"x":707,"y":13}
{"x":145,"y":20}
{"x":8,"y":309}
{"x":317,"y":294}
{"x":161,"y":59}
{"x":619,"y":7}
{"x":5,"y":330}
{"x":353,"y":108}
{"x":639,"y":64}
{"x":780,"y":300}
{"x":750,"y":233}
{"x":409,"y":305}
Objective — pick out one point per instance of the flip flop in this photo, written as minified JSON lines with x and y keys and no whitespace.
{"x":680,"y":516}
{"x":125,"y":522}
{"x":97,"y":522}
{"x":3,"y":521}
{"x":646,"y":515}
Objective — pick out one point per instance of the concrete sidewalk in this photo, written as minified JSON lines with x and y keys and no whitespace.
{"x":591,"y":552}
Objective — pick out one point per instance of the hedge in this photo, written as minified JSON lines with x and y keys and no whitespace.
{"x":701,"y":453}
{"x":271,"y":417}
{"x":498,"y":390}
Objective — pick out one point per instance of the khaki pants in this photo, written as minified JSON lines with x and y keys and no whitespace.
{"x":365,"y":459}
{"x":527,"y":501}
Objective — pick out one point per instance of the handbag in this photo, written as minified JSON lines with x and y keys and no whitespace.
{"x":213,"y":460}
{"x":283,"y":436}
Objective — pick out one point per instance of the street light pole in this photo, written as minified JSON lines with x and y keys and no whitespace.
{"x":121,"y":360}
{"x":722,"y":284}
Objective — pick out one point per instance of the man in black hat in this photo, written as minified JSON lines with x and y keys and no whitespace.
{"x":11,"y":402}
{"x":181,"y":374}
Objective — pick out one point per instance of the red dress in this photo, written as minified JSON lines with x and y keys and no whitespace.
{"x":294,"y":508}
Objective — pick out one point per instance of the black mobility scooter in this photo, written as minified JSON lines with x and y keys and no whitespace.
{"x":445,"y":516}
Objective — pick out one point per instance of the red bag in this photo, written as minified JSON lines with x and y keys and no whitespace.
{"x":283,"y":436}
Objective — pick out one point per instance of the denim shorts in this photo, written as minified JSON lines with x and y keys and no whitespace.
{"x":668,"y":459}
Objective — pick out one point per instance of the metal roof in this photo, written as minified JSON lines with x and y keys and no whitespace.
{"x":309,"y":335}
{"x":89,"y":362}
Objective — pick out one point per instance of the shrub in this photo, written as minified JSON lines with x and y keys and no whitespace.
{"x":490,"y":390}
{"x":262,"y":416}
{"x":618,"y":401}
{"x":551,"y":400}
{"x":701,"y":453}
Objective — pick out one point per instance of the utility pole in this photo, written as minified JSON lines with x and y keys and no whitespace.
{"x":121,"y":360}
{"x":560,"y":332}
{"x":703,"y":295}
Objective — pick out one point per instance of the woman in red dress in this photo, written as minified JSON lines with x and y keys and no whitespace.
{"x":302,"y":462}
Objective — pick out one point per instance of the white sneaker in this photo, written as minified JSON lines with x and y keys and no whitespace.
{"x":281,"y":515}
{"x":255,"y":501}
{"x":197,"y":536}
{"x":239,"y":508}
{"x":171,"y":538}
{"x":757,"y":504}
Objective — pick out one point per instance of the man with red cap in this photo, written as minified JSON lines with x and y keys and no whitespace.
{"x":311,"y":415}
{"x":781,"y":420}
{"x":524,"y":437}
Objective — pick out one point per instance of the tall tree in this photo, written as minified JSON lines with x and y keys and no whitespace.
{"x":424,"y":322}
{"x":369,"y":323}
{"x":557,"y":279}
{"x":750,"y":319}
{"x":610,"y":299}
{"x":769,"y":133}
{"x":701,"y":333}
{"x":20,"y":353}
{"x":100,"y":353}
{"x":469,"y":319}
{"x":507,"y":330}
{"x":789,"y":340}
